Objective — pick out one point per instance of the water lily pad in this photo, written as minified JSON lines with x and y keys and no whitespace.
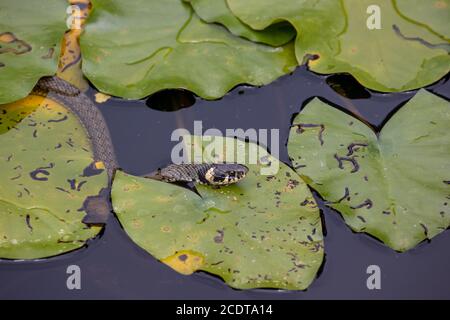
{"x":47,"y":175}
{"x":29,"y":44}
{"x":133,"y":49}
{"x":217,"y":11}
{"x":394,"y":185}
{"x":402,"y":55}
{"x":264,"y":231}
{"x":434,"y":15}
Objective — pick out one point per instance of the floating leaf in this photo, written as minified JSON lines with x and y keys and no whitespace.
{"x":402,"y":55}
{"x":394,"y":185}
{"x":433,"y":14}
{"x":46,"y":178}
{"x":264,"y":231}
{"x":69,"y":66}
{"x":29,"y":44}
{"x":132,"y":49}
{"x":217,"y":11}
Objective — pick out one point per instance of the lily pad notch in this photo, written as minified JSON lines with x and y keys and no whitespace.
{"x":393,"y":185}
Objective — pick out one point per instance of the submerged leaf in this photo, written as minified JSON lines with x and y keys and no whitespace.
{"x":69,"y":66}
{"x":335,"y":38}
{"x":133,"y":49}
{"x":394,"y":186}
{"x":217,"y":11}
{"x":29,"y":44}
{"x":45,"y":180}
{"x":264,"y":231}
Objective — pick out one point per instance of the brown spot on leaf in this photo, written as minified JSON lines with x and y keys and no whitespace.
{"x":9,"y":43}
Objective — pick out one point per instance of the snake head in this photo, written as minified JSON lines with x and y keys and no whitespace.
{"x":225,"y":174}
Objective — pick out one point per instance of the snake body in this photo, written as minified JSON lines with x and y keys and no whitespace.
{"x":204,"y":173}
{"x":97,"y":130}
{"x":90,"y":117}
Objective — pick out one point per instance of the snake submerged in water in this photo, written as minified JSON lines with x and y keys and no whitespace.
{"x":61,"y":91}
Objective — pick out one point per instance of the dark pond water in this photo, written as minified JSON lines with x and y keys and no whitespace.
{"x":114,"y":267}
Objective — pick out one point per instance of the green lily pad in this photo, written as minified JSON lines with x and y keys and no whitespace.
{"x":29,"y":44}
{"x":434,"y":15}
{"x":394,"y":185}
{"x":217,"y":11}
{"x":135,"y":48}
{"x":402,"y":55}
{"x":264,"y":231}
{"x":46,"y":177}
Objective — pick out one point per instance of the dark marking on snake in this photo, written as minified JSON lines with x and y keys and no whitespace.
{"x":300,"y":129}
{"x":352,"y":147}
{"x":367,"y":203}
{"x":352,"y":160}
{"x":2,"y":64}
{"x":73,"y":62}
{"x":361,"y":218}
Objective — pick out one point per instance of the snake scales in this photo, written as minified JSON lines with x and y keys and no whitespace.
{"x":91,"y":118}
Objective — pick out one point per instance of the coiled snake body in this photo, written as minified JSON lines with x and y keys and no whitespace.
{"x":91,"y":118}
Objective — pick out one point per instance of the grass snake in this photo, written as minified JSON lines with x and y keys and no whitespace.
{"x":95,"y":125}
